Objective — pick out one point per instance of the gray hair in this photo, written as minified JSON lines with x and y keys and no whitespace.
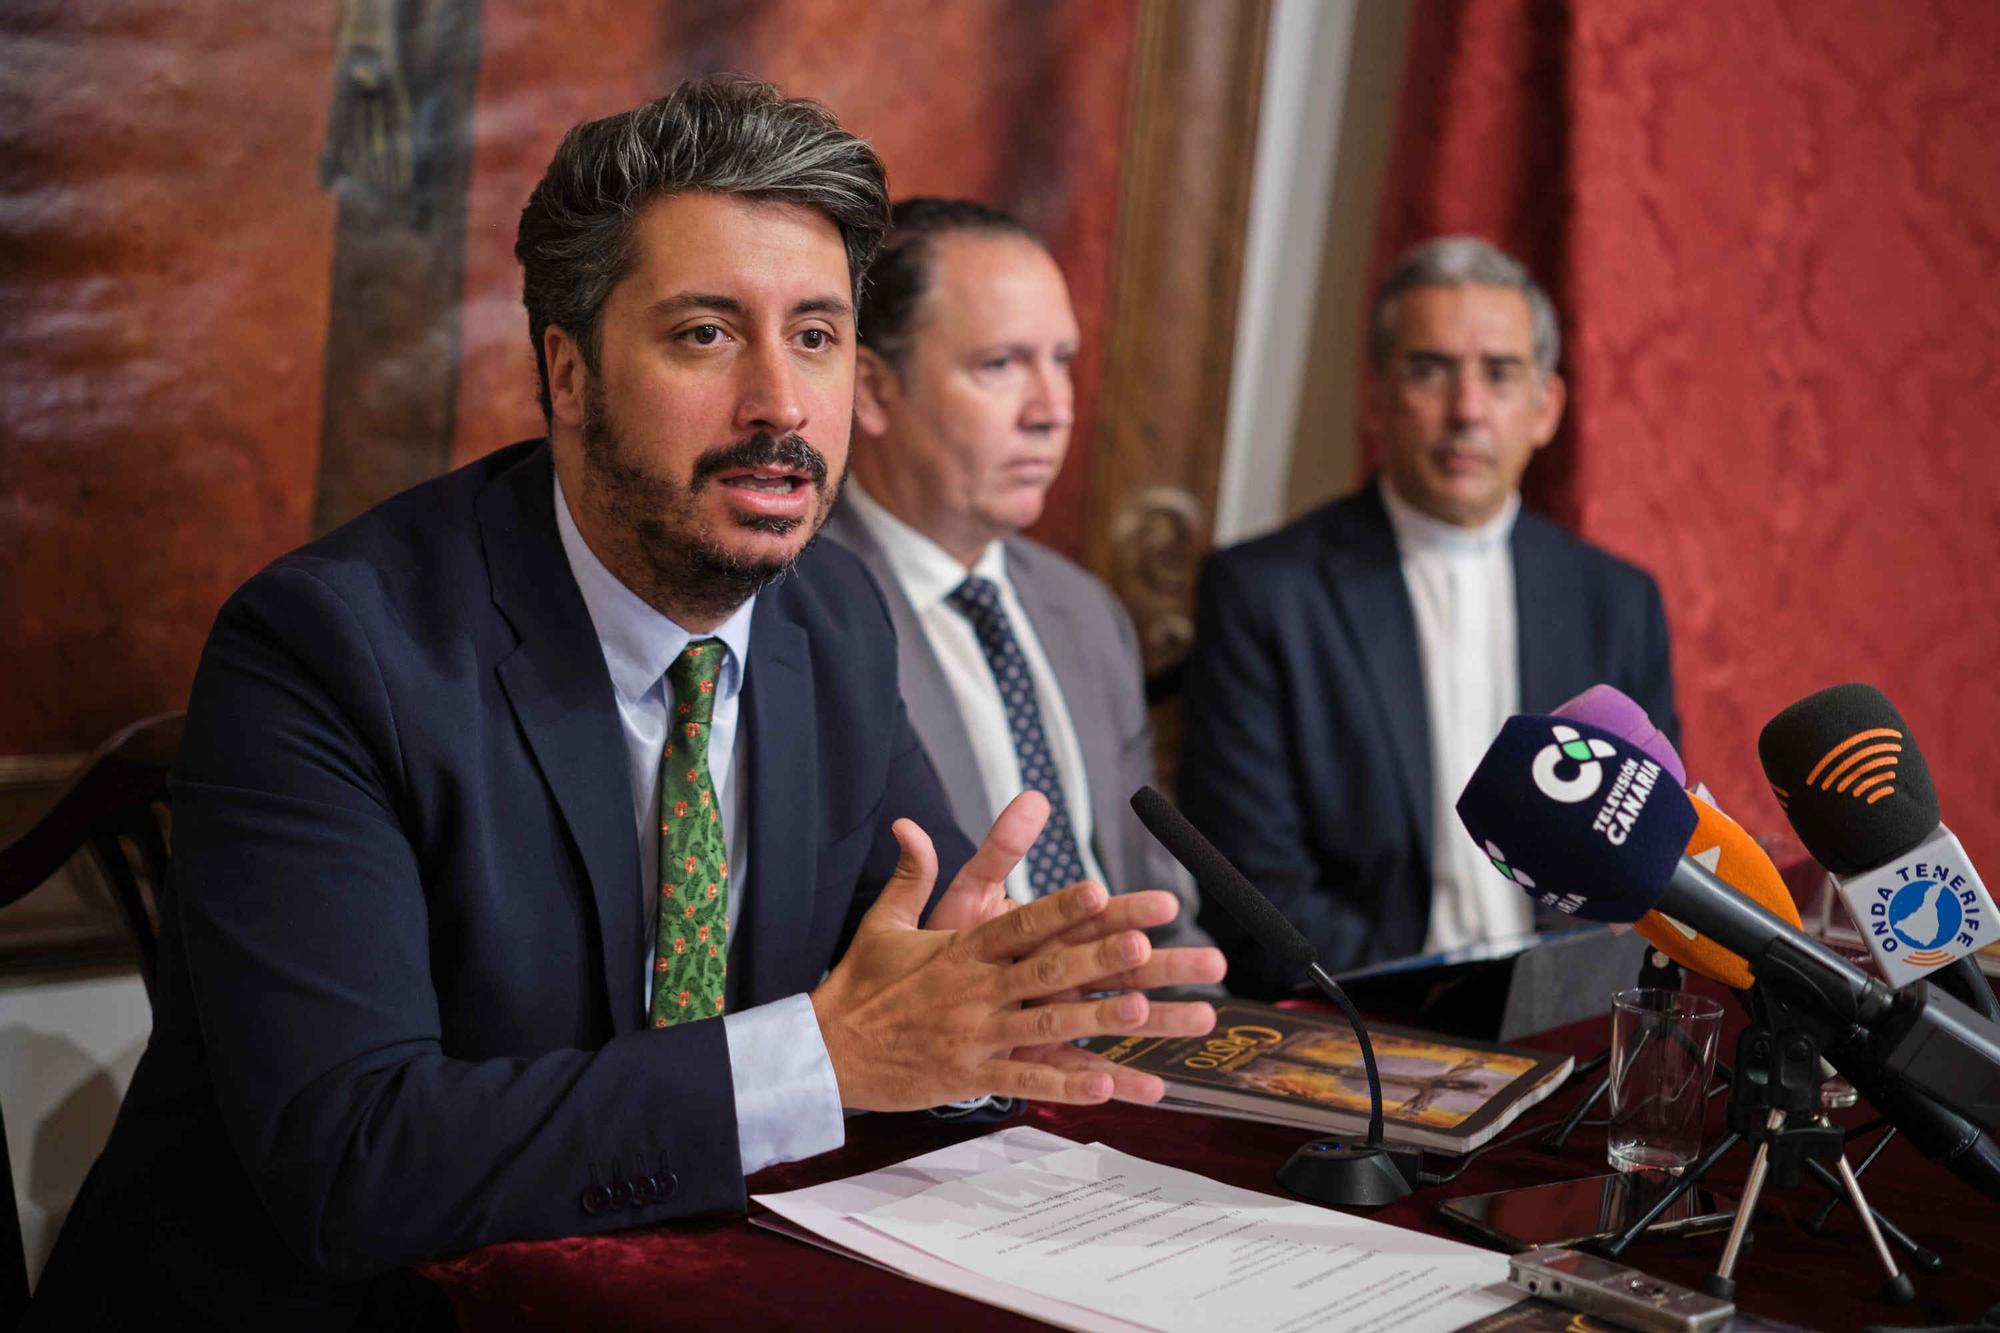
{"x":1459,"y":261}
{"x":726,"y":134}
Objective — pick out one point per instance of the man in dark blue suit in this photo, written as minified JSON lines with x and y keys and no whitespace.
{"x":492,"y":800}
{"x":1349,"y":670}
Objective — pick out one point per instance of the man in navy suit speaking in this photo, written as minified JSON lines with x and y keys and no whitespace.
{"x":1349,"y":670}
{"x":551,"y":842}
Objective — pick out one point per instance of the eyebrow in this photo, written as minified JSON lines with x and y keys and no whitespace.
{"x":1022,"y":350}
{"x":684,"y":303}
{"x":1421,"y":355}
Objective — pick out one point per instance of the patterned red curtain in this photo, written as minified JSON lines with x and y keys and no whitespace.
{"x":1772,"y":228}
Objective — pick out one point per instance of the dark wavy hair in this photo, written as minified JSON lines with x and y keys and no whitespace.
{"x":724,"y":133}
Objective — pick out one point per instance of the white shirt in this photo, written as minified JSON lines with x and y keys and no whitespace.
{"x":787,"y":1099}
{"x":927,"y":574}
{"x":1461,"y":584}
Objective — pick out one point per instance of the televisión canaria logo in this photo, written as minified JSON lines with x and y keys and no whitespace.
{"x":1571,"y":746}
{"x":1630,"y":789}
{"x":1507,"y":868}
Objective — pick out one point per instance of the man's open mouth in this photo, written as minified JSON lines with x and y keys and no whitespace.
{"x":769,"y":480}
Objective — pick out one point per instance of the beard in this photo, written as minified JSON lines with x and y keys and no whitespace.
{"x":670,"y":553}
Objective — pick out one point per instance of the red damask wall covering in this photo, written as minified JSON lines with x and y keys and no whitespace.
{"x":1772,"y":228}
{"x":248,"y":291}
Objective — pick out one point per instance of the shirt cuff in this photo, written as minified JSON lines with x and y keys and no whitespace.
{"x":787,"y":1099}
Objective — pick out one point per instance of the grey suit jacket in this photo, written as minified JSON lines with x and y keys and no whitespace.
{"x":1094,"y":653}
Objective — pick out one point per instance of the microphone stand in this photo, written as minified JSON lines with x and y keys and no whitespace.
{"x":1348,"y":1175}
{"x":1774,"y":1101}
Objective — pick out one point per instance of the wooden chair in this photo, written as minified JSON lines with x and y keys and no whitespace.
{"x":115,"y":806}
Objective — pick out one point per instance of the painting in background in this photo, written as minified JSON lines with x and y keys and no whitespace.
{"x":258,"y":263}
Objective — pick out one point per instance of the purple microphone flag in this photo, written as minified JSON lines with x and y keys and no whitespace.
{"x":1608,"y":707}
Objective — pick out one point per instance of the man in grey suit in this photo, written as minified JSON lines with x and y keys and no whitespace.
{"x":1019,"y":669}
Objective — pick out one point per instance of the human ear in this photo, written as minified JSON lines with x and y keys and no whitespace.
{"x":875,"y":386}
{"x":1549,"y":414}
{"x":568,"y":376}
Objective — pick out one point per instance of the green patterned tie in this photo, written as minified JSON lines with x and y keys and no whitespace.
{"x":692,"y":957}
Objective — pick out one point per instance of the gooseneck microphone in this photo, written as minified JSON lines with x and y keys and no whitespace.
{"x":1584,"y":821}
{"x":1326,"y":1171}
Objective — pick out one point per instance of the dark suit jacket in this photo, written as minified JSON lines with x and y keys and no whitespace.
{"x":403,"y":951}
{"x":1094,"y":653}
{"x":1306,"y":752}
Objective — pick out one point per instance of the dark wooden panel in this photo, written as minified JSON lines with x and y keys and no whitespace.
{"x":1183,"y":202}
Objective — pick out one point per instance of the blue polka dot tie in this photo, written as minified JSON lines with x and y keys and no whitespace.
{"x":1053,"y":861}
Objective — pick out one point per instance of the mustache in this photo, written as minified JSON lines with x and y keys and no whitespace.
{"x":761,"y":450}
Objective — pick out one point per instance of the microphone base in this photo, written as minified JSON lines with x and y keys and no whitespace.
{"x":1348,"y":1175}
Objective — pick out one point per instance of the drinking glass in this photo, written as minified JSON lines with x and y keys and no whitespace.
{"x":1662,"y":1054}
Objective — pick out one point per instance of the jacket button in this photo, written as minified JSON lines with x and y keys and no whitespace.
{"x":663,"y":1185}
{"x":596,"y":1199}
{"x":642,"y":1191}
{"x":620,"y":1193}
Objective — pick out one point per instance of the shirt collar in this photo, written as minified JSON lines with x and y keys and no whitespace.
{"x":926,"y":571}
{"x":639,"y":643}
{"x":1417,"y":531}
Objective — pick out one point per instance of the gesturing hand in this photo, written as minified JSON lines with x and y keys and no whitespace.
{"x":914,"y":1018}
{"x":979,"y":894}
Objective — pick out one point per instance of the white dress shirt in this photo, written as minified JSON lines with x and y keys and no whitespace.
{"x":1461,"y":584}
{"x":787,"y":1099}
{"x":927,"y":574}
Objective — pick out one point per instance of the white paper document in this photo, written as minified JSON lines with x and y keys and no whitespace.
{"x":1088,"y":1237}
{"x":831,"y":1215}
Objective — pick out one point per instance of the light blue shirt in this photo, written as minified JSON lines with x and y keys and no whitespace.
{"x":787,"y":1099}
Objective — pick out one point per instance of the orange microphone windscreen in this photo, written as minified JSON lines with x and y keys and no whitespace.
{"x":1733,"y":856}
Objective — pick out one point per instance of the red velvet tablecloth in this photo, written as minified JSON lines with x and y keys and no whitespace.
{"x":727,"y":1273}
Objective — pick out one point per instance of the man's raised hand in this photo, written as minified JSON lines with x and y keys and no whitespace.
{"x":916,"y":1017}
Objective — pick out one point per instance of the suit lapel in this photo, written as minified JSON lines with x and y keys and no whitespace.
{"x":1547,"y":631}
{"x":555,"y":681}
{"x":1365,"y":579}
{"x":932,"y":706}
{"x":1064,"y":634}
{"x":778,"y":707}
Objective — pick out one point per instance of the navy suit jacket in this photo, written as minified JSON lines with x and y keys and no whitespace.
{"x":403,"y":952}
{"x":1306,"y":751}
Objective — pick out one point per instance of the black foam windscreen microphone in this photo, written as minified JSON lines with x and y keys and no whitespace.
{"x":1579,"y":817}
{"x":1221,"y":881}
{"x":1852,"y":782}
{"x":1366,"y":1175}
{"x":1858,"y":793}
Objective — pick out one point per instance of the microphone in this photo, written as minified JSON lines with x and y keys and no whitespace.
{"x":1618,"y":713}
{"x":1718,"y":843}
{"x":1857,"y":791}
{"x":1721,"y":846}
{"x":1579,"y":817}
{"x":1851,"y":737}
{"x":1326,"y":1171}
